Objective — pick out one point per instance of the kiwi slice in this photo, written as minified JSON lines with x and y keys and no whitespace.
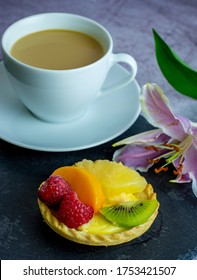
{"x":130,"y":213}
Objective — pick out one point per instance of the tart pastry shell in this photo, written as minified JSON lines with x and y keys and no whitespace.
{"x":91,"y":239}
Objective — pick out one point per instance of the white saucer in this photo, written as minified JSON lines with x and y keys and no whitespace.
{"x":106,"y":119}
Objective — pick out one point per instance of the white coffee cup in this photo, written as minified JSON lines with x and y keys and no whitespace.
{"x":62,"y":95}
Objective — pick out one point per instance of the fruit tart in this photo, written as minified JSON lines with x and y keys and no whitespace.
{"x":100,"y":203}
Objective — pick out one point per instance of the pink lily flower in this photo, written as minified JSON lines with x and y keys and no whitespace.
{"x":174,"y":140}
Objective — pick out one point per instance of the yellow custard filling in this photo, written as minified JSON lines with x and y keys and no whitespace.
{"x":98,"y":224}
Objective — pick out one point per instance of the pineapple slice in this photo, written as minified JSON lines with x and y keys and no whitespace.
{"x":119,"y":183}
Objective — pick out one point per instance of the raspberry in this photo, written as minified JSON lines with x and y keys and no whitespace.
{"x":73,"y":212}
{"x":53,"y":190}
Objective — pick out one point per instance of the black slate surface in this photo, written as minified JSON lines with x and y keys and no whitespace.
{"x":24,"y":235}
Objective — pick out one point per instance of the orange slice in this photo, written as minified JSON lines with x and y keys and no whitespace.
{"x":84,"y":183}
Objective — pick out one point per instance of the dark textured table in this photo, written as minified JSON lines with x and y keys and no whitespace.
{"x":23,"y":235}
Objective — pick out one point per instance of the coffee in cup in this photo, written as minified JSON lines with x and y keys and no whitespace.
{"x":57,"y":49}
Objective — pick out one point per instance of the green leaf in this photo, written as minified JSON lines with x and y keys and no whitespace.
{"x":181,"y":76}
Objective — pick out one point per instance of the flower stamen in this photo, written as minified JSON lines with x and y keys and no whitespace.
{"x":156,"y":160}
{"x":171,"y":152}
{"x":152,"y":148}
{"x":158,"y":170}
{"x":178,"y":170}
{"x":174,"y":147}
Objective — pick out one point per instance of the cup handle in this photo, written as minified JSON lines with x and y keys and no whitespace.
{"x":125,"y":58}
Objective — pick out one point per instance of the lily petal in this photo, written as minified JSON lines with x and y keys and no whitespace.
{"x":189,"y":170}
{"x":155,"y":136}
{"x":194,"y":184}
{"x":135,"y":156}
{"x":189,"y":164}
{"x":193,"y":132}
{"x":194,"y":128}
{"x":190,"y":160}
{"x":182,"y":178}
{"x":157,"y":111}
